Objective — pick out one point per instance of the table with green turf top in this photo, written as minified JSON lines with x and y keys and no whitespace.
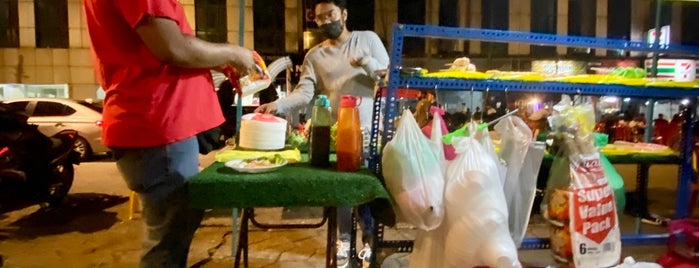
{"x":292,"y":185}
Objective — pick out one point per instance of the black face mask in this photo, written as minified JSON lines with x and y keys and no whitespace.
{"x":331,"y":30}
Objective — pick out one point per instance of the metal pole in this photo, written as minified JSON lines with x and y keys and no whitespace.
{"x":238,"y":114}
{"x":656,"y":42}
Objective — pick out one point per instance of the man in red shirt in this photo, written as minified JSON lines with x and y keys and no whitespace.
{"x":159,"y":95}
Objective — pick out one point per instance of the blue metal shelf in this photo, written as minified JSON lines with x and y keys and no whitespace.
{"x":395,"y":81}
{"x":410,"y":30}
{"x":547,"y":87}
{"x":626,"y":240}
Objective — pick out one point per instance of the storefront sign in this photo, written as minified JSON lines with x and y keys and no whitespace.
{"x":664,"y":35}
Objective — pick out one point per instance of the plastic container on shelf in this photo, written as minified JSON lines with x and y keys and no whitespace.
{"x":321,"y":121}
{"x":349,"y":134}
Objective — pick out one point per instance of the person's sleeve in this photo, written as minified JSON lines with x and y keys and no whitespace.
{"x":303,"y":92}
{"x":136,"y":10}
{"x":378,"y":57}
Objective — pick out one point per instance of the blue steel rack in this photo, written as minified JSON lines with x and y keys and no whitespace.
{"x":395,"y":81}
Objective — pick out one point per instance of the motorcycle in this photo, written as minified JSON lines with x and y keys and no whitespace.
{"x":33,"y":168}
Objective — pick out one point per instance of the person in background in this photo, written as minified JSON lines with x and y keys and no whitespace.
{"x":674,"y":130}
{"x":422,"y":108}
{"x":638,"y":126}
{"x":159,"y":96}
{"x":477,"y":115}
{"x":226,"y":100}
{"x":343,"y":64}
{"x":660,"y":130}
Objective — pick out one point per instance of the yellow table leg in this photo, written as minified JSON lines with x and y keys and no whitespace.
{"x":133,"y":204}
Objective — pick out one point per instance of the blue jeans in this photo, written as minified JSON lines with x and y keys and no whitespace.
{"x":159,"y":175}
{"x":366,"y":222}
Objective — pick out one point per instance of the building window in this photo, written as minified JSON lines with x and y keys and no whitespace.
{"x":412,"y":12}
{"x":9,"y":24}
{"x":618,"y":23}
{"x":449,"y":16}
{"x":211,"y":22}
{"x":690,"y":35}
{"x":268,"y":21}
{"x":360,"y":15}
{"x":495,"y":16}
{"x":544,"y":21}
{"x":51,"y":20}
{"x":582,"y":16}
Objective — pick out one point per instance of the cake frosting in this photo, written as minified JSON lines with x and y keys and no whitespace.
{"x":262,"y":132}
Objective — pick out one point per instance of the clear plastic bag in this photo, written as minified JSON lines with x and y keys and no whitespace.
{"x":579,"y":196}
{"x":414,"y":175}
{"x":519,"y":185}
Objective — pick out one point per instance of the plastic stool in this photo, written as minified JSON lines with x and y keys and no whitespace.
{"x":134,"y":205}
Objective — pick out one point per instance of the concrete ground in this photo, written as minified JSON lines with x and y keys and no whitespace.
{"x":93,"y":230}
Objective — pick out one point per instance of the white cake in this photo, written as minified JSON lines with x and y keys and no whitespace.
{"x":262,"y":132}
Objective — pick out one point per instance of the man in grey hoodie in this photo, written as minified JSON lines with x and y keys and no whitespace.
{"x":343,"y":64}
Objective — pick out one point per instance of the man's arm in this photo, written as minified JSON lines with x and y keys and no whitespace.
{"x":303,"y":92}
{"x":164,"y":39}
{"x":301,"y":95}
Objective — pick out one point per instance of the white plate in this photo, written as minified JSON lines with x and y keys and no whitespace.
{"x":236,"y":164}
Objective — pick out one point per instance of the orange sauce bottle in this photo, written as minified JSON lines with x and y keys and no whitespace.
{"x":349,"y":134}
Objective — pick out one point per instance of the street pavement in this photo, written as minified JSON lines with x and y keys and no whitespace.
{"x":93,"y":229}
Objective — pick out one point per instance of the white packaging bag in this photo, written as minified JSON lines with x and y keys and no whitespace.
{"x":476,"y":221}
{"x":428,"y":249}
{"x":414,"y":176}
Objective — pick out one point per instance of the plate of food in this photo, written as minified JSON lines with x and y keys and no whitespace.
{"x":257,"y":164}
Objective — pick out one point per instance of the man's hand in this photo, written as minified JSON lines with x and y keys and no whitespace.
{"x":360,"y":59}
{"x":267,"y":108}
{"x":242,"y":60}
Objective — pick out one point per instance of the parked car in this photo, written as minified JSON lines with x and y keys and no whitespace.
{"x":55,"y":114}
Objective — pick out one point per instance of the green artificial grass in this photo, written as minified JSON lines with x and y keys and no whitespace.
{"x":298,"y":184}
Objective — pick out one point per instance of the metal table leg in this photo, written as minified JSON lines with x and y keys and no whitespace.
{"x":243,"y":240}
{"x":234,"y":231}
{"x":330,"y":250}
{"x":641,"y":194}
{"x":353,"y":259}
{"x":329,"y":216}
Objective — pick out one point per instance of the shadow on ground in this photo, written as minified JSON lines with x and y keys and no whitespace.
{"x":81,"y":212}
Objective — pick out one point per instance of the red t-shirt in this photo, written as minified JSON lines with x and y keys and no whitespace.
{"x":147,"y":102}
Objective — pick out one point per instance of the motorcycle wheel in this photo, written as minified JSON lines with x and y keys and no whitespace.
{"x":61,"y":180}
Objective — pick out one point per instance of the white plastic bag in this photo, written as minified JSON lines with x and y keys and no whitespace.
{"x":523,"y":201}
{"x":515,"y":137}
{"x":483,"y":137}
{"x":477,"y":228}
{"x":413,"y":175}
{"x":437,"y":143}
{"x":428,"y":250}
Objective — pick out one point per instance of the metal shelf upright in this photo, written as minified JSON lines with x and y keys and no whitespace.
{"x":395,"y":81}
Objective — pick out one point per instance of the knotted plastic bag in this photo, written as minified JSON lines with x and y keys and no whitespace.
{"x":437,"y":123}
{"x":413,"y":175}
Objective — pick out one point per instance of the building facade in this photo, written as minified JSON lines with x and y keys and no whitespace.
{"x":46,"y":42}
